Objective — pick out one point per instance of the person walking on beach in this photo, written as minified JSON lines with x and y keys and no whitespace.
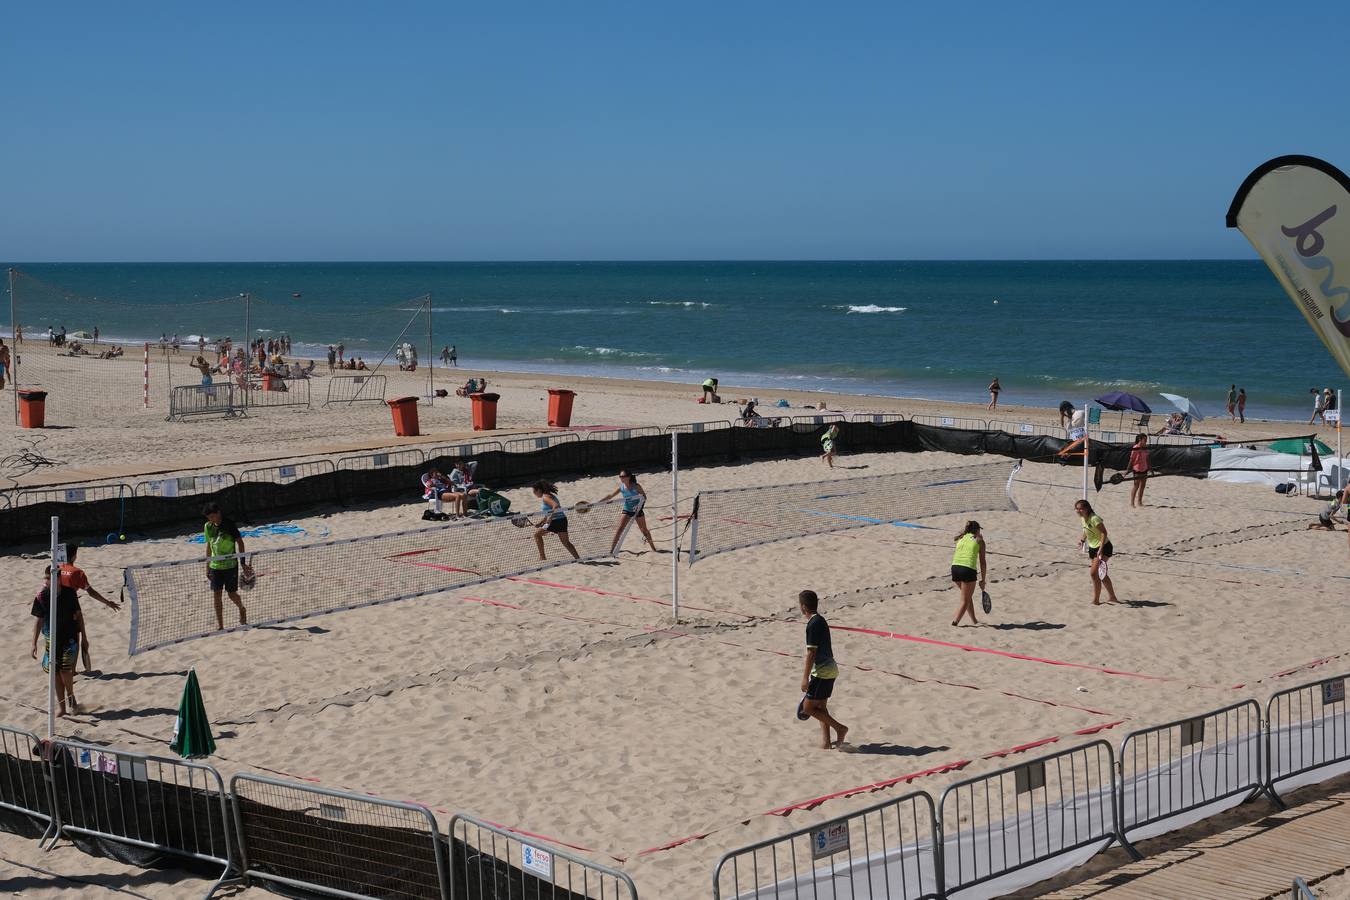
{"x":968,"y":554}
{"x":994,"y":388}
{"x":454,"y":356}
{"x":1318,"y":407}
{"x":820,"y":672}
{"x":829,"y":442}
{"x":4,"y":363}
{"x":223,"y":541}
{"x":95,"y":334}
{"x":1139,"y":466}
{"x":1242,"y":405}
{"x":554,"y":520}
{"x":634,"y":498}
{"x":341,"y":350}
{"x":1099,"y":550}
{"x":1232,"y":402}
{"x":445,"y":355}
{"x":332,"y":358}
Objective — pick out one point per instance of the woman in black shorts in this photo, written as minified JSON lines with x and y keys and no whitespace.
{"x":969,"y":553}
{"x":554,"y":520}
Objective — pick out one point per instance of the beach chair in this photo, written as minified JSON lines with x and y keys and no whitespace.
{"x":1095,"y":415}
{"x":1142,"y":421}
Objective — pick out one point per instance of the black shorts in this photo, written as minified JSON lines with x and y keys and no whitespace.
{"x":634,"y":515}
{"x":1106,"y":549}
{"x":819,"y":688}
{"x":1325,"y":521}
{"x":964,"y":574}
{"x":557,"y":526}
{"x":224,"y":580}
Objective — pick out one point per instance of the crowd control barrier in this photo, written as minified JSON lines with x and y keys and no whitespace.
{"x":189,"y":400}
{"x":885,"y":850}
{"x":337,"y":843}
{"x":465,"y":451}
{"x":1189,"y":765}
{"x":877,"y":418}
{"x":1028,"y":428}
{"x":284,"y":392}
{"x":542,"y":442}
{"x":496,"y":862}
{"x":952,"y":422}
{"x":819,"y":419}
{"x":368,"y":462}
{"x":82,"y":494}
{"x":345,"y":390}
{"x":623,"y":434}
{"x":698,"y":427}
{"x":184,"y":485}
{"x":25,"y":787}
{"x":157,"y":804}
{"x":287,"y":472}
{"x":1015,"y":818}
{"x":1306,"y":730}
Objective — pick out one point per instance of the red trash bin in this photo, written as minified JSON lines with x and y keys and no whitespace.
{"x":484,"y":411}
{"x":560,"y":407}
{"x":404,"y":410}
{"x":267,"y":382}
{"x":32,"y":409}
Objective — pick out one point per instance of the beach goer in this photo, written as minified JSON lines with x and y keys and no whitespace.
{"x":554,"y":520}
{"x":1242,"y":405}
{"x":710,"y":391}
{"x":634,"y":499}
{"x":332,"y":357}
{"x":828,"y":442}
{"x":1326,"y":519}
{"x":445,"y":355}
{"x":436,"y":490}
{"x":994,"y":388}
{"x":1319,"y":405}
{"x":1328,"y":402}
{"x":969,"y":554}
{"x":95,"y":334}
{"x":454,"y":356}
{"x":820,"y":671}
{"x":1066,"y":412}
{"x":1232,"y":402}
{"x":341,"y":349}
{"x":223,"y":541}
{"x":1099,"y":550}
{"x":4,"y":362}
{"x":462,"y":488}
{"x":1139,"y":466}
{"x":67,"y":639}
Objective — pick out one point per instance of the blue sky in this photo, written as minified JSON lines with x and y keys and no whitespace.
{"x":364,"y":131}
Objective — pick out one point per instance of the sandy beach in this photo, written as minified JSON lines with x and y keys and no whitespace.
{"x":572,"y":706}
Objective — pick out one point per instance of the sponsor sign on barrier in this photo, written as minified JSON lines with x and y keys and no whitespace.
{"x":952,"y":422}
{"x":286,"y":473}
{"x":499,"y":862}
{"x":184,"y":485}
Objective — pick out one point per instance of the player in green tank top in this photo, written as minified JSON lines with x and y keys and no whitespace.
{"x":224,"y":540}
{"x":969,"y":553}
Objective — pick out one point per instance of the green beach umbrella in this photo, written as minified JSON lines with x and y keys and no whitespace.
{"x":192,"y":732}
{"x":1298,"y":447}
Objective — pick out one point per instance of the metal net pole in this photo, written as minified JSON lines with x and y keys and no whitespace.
{"x":58,"y":555}
{"x":431,"y":360}
{"x":14,"y":350}
{"x":675,"y":524}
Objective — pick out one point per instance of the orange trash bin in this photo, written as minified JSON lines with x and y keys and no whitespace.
{"x":484,"y":411}
{"x":267,"y":382}
{"x":404,"y":410}
{"x":32,"y":409}
{"x":560,"y":407}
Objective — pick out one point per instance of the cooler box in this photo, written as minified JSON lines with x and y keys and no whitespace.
{"x":32,"y":409}
{"x":560,"y":407}
{"x":404,"y":410}
{"x":484,"y":411}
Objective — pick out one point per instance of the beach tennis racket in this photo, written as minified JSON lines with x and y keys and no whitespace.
{"x":801,"y":709}
{"x":986,"y":603}
{"x":1101,"y":567}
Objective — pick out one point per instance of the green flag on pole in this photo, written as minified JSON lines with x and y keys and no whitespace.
{"x":192,"y":732}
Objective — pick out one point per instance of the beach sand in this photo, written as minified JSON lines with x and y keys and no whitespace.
{"x":588,"y":716}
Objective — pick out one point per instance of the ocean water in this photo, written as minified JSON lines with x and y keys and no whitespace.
{"x":1048,"y":330}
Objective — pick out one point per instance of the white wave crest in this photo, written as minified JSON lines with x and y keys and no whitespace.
{"x":873,"y":308}
{"x":687,"y":304}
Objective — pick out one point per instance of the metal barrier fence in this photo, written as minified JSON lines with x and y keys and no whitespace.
{"x":184,"y":485}
{"x":24,"y":783}
{"x":470,"y":449}
{"x":952,"y":422}
{"x":623,"y":434}
{"x":877,"y":418}
{"x":335,"y":842}
{"x":819,"y":419}
{"x":285,"y":474}
{"x":167,"y":805}
{"x":344,"y":390}
{"x":1027,"y":428}
{"x":885,"y":850}
{"x":699,"y":427}
{"x":1189,"y":764}
{"x":83,"y":494}
{"x":190,"y":400}
{"x":1301,"y":891}
{"x":253,"y":394}
{"x":501,"y":864}
{"x":543,"y":442}
{"x":371,"y":461}
{"x":995,"y":824}
{"x":1306,"y":729}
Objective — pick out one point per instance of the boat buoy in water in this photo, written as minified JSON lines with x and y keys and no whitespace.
{"x":297,"y":295}
{"x":996,"y":303}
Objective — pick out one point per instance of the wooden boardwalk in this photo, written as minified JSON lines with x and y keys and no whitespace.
{"x":1250,"y":862}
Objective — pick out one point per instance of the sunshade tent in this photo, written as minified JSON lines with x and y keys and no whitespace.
{"x":1299,"y":446}
{"x":1122,"y":401}
{"x":1184,"y":405}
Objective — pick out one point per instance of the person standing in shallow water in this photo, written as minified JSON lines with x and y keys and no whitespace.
{"x":994,"y":389}
{"x":820,"y":673}
{"x":1242,"y":405}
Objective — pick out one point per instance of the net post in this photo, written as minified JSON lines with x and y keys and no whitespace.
{"x":431,"y":360}
{"x":53,"y":650}
{"x":1087,"y":448}
{"x":248,"y":336}
{"x":675,"y":524}
{"x":1340,"y":457}
{"x":147,"y":374}
{"x":14,"y":350}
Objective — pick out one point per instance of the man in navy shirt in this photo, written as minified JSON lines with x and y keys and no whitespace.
{"x":819,"y":675}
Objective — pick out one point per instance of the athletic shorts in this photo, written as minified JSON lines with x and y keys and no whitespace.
{"x":557,"y":526}
{"x":1106,"y":549}
{"x":819,"y":688}
{"x":964,"y":574}
{"x":638,"y":514}
{"x":225,"y":580}
{"x":69,"y":653}
{"x":1325,"y":520}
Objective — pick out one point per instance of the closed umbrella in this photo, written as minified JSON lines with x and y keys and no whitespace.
{"x":1121,"y":401}
{"x":1184,"y":405}
{"x":192,"y":732}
